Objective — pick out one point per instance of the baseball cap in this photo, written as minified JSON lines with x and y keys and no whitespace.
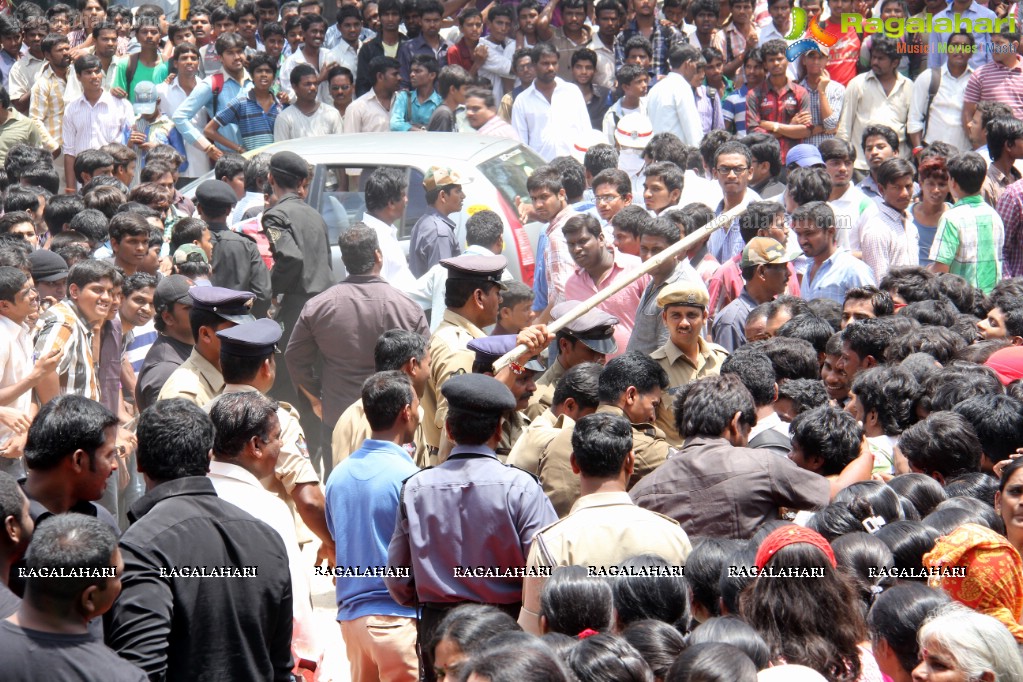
{"x":172,"y":289}
{"x":145,"y":98}
{"x":47,"y":266}
{"x":764,"y":251}
{"x":181,"y":255}
{"x":441,"y":176}
{"x":804,"y":156}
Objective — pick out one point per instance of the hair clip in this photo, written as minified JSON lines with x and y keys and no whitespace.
{"x":588,"y":632}
{"x":873,"y":523}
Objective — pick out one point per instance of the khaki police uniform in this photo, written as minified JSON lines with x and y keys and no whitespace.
{"x":448,"y":357}
{"x":353,"y":428}
{"x":555,"y":469}
{"x":545,"y":385}
{"x":525,"y":454}
{"x":605,"y":529}
{"x":681,"y":370}
{"x":196,"y":380}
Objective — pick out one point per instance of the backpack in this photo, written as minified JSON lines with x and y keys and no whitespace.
{"x":932,"y":90}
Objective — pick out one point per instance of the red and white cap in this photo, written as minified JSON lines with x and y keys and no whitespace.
{"x":634,"y":131}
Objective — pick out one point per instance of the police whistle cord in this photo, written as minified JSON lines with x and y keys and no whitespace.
{"x":596,"y":299}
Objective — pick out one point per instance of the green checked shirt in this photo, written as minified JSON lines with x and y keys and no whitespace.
{"x":969,"y":241}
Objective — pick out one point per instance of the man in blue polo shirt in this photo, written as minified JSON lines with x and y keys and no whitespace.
{"x":362,"y":505}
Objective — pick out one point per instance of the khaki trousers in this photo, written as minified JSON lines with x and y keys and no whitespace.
{"x":381,"y":648}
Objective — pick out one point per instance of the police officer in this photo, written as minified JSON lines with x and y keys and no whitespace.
{"x":248,"y":363}
{"x":631,"y":385}
{"x":473,"y":498}
{"x":472,"y":298}
{"x":301,"y":250}
{"x":685,"y":356}
{"x":236,"y":261}
{"x":518,"y":377}
{"x":198,"y":379}
{"x":171,"y":303}
{"x":588,"y":338}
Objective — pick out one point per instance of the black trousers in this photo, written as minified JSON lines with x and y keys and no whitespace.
{"x":431,"y":614}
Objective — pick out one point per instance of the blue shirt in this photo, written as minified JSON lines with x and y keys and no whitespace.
{"x":734,"y":109}
{"x":936,"y":57}
{"x":837,"y":275}
{"x":362,"y":505}
{"x":202,"y":98}
{"x":727,"y":243}
{"x":421,"y":112}
{"x":730,"y":324}
{"x":255,"y":126}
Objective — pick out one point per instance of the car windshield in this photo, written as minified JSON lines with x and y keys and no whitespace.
{"x":508,"y":172}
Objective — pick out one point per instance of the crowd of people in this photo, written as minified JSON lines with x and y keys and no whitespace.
{"x":788,"y":451}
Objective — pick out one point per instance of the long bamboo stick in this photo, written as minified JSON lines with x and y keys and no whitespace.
{"x":596,"y":299}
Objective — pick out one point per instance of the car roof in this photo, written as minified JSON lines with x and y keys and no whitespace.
{"x":430,"y":147}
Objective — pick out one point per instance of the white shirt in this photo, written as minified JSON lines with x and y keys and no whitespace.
{"x":605,"y":74}
{"x":617,"y":112}
{"x":946,"y":108}
{"x":238,"y":486}
{"x":298,"y":57}
{"x":171,"y":96}
{"x":551,"y":128}
{"x":395,"y":270}
{"x":292,"y":124}
{"x":701,"y":190}
{"x":497,"y":65}
{"x":853,"y":211}
{"x":15,"y":364}
{"x":429,"y":289}
{"x":90,"y":126}
{"x":671,"y":107}
{"x":345,"y":55}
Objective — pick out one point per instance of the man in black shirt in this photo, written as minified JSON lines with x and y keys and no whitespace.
{"x":15,"y":533}
{"x":171,"y":303}
{"x":207,"y":590}
{"x":49,"y":635}
{"x":70,"y":453}
{"x":236,"y":261}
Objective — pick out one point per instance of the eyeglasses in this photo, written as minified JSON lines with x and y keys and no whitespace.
{"x":732,"y":170}
{"x":607,"y":198}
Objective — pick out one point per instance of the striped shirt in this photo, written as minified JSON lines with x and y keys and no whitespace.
{"x":889,"y":241}
{"x":969,"y":241}
{"x":47,"y":107}
{"x":62,"y":327}
{"x":733,"y":109}
{"x":137,"y":344}
{"x":90,"y":126}
{"x":835,"y":93}
{"x":996,"y":83}
{"x":255,"y":126}
{"x":1010,"y":209}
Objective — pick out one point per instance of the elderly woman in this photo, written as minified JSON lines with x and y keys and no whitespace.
{"x":980,"y":568}
{"x":959,"y":645}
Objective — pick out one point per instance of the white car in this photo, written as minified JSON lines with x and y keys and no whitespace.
{"x":498,"y":168}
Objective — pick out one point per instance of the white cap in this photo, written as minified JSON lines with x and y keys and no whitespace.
{"x":586,"y":140}
{"x":634,"y":131}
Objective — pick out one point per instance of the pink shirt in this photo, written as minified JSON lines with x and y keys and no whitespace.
{"x":623,"y":305}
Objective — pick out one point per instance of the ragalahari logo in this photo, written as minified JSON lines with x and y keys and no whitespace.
{"x":807,"y":34}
